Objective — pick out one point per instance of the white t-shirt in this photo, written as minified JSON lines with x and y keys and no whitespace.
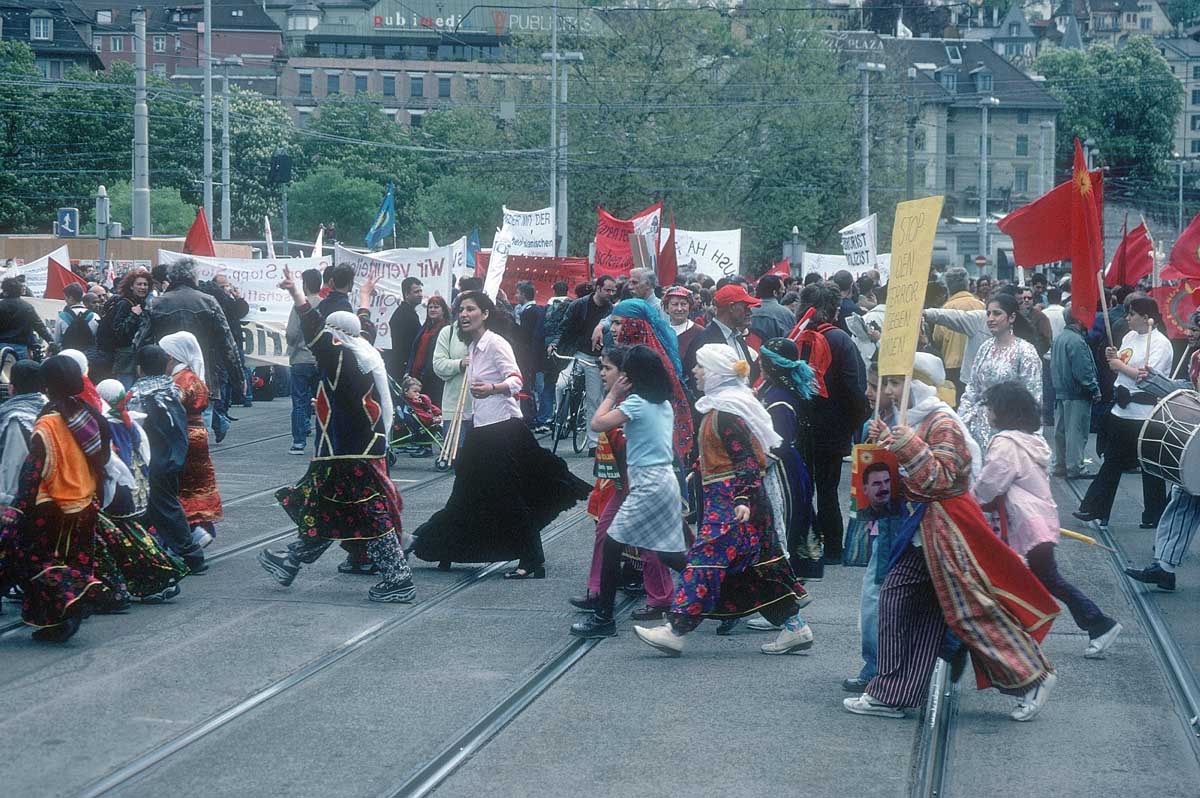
{"x":1133,"y":352}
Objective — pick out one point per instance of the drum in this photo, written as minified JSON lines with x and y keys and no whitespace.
{"x":1162,"y":386}
{"x":1168,"y":446}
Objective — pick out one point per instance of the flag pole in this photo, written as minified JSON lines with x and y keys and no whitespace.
{"x":1104,"y":305}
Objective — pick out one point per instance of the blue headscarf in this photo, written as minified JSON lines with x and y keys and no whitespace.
{"x":659,"y":323}
{"x":799,"y":373}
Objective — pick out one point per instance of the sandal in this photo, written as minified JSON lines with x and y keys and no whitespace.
{"x":527,"y":573}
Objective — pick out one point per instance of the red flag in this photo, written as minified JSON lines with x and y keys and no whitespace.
{"x":1087,"y":242}
{"x":1176,"y":303}
{"x":668,"y":263}
{"x":58,"y":277}
{"x":1036,"y":228}
{"x":199,"y":239}
{"x":1185,"y":255}
{"x":782,"y":269}
{"x":614,"y":253}
{"x":1133,"y":260}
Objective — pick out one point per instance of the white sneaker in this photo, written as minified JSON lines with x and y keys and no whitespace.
{"x":662,"y":638}
{"x":1033,"y":701}
{"x":1099,"y":645}
{"x":865,"y":705}
{"x":201,"y":537}
{"x":761,"y":624}
{"x":790,"y":642}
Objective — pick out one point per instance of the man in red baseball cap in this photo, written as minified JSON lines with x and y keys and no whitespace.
{"x":728,"y":326}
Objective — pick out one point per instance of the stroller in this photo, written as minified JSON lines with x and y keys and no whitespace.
{"x":409,"y":434}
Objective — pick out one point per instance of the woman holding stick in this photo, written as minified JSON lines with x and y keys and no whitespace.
{"x":1142,"y":348}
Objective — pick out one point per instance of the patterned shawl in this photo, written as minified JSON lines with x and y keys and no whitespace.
{"x":636,"y":331}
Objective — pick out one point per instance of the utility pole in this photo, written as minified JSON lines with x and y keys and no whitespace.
{"x":911,"y":144}
{"x":554,"y":120}
{"x":226,"y":201}
{"x":865,"y":69}
{"x":1043,"y":161}
{"x":1179,"y":221}
{"x":984,"y":105}
{"x":141,"y":129}
{"x":206,"y":55}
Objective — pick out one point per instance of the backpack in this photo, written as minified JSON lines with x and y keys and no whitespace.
{"x":78,"y":334}
{"x":814,"y":350}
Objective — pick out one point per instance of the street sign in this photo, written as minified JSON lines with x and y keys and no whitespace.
{"x":980,"y":261}
{"x":68,"y":222}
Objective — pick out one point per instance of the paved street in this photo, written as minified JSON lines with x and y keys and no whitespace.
{"x":240,"y":687}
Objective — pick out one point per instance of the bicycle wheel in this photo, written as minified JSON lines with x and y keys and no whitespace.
{"x":561,"y":415}
{"x":579,"y":440}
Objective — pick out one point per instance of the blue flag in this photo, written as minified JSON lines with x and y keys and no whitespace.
{"x":385,"y":220}
{"x":472,"y":249}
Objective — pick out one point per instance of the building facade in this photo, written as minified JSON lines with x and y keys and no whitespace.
{"x":48,"y":27}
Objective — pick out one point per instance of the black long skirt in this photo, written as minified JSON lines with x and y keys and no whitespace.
{"x":507,"y":488}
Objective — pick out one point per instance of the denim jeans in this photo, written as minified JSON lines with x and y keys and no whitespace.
{"x":868,"y":619}
{"x":304,"y":387}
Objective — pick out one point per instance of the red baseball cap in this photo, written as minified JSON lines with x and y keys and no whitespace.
{"x":733,"y":293}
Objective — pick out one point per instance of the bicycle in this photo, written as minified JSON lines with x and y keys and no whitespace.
{"x":570,"y":417}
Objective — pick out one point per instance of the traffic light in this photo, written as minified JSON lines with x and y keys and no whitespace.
{"x":281,"y":167}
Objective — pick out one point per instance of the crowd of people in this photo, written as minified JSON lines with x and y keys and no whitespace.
{"x":721,"y":416}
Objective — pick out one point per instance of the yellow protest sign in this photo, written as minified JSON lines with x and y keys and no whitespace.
{"x":912,"y":250}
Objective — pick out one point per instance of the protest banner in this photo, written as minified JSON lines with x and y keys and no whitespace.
{"x":257,"y":280}
{"x":912,"y":253}
{"x":531,"y":232}
{"x":37,"y":271}
{"x":433,"y":267}
{"x":497,"y":262}
{"x":715,"y":253}
{"x":858,"y":242}
{"x":829,"y":265}
{"x":614,"y":255}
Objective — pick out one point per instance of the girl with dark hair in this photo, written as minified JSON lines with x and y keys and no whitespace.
{"x":1002,"y":358}
{"x":420,"y":362}
{"x":120,"y":322}
{"x":506,"y":486}
{"x":49,"y":532}
{"x":1143,"y":349}
{"x":1015,"y":482}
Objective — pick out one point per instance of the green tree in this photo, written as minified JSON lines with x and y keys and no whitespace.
{"x":1127,"y":101}
{"x":169,"y":214}
{"x":328,"y":196}
{"x":22,"y":204}
{"x":259,"y":127}
{"x":1183,"y":11}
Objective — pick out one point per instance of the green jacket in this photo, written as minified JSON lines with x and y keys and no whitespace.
{"x":1072,"y":366}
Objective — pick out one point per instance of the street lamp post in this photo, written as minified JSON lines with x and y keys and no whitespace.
{"x":558,"y":146}
{"x":226,"y":202}
{"x":1043,"y":161}
{"x":985,"y":104}
{"x":1179,"y":222}
{"x":865,"y":69}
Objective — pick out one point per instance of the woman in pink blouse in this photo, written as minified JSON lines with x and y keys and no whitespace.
{"x":506,"y":486}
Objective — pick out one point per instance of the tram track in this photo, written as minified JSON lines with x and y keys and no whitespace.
{"x":160,"y":753}
{"x":932,"y":745}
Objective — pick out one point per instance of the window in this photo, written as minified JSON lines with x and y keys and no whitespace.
{"x":416,"y":86}
{"x":333,"y":83}
{"x":1196,"y":73}
{"x":41,"y":29}
{"x":1022,"y":145}
{"x":501,"y":85}
{"x":1021,"y":180}
{"x":954,"y":54}
{"x":360,"y":84}
{"x":950,"y":175}
{"x":473,"y":88}
{"x":1022,"y":117}
{"x":304,"y":118}
{"x":160,"y":44}
{"x":414,"y":119}
{"x":1195,"y":146}
{"x":116,"y":44}
{"x":1195,"y":96}
{"x":1146,"y":22}
{"x":104,"y":17}
{"x":305,"y":85}
{"x":919,"y":140}
{"x":1195,"y":121}
{"x":98,"y":43}
{"x":950,"y":81}
{"x":389,"y":85}
{"x":1014,"y":29}
{"x":238,"y":12}
{"x":443,"y":87}
{"x":160,"y":70}
{"x":983,"y":81}
{"x":949,"y":143}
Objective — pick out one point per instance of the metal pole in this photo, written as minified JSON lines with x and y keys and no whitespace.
{"x":285,"y":220}
{"x":864,"y":199}
{"x":983,"y":181}
{"x":1179,"y":222}
{"x":911,"y":144}
{"x":225,"y":200}
{"x":102,"y":220}
{"x":141,"y":130}
{"x":1042,"y":159}
{"x":206,"y":55}
{"x":561,"y":212}
{"x":554,"y":117}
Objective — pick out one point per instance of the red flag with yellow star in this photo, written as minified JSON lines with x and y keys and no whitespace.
{"x":1087,"y":243}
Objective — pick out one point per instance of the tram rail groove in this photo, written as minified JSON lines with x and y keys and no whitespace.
{"x":218,"y":448}
{"x":1181,"y":679}
{"x":428,"y":777}
{"x":156,"y":755}
{"x":933,"y":744}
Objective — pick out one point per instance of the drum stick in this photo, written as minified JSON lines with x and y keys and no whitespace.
{"x":878,"y":395}
{"x":1082,"y":538}
{"x":1182,"y":360}
{"x":903,"y":416}
{"x":456,"y":422}
{"x":1104,"y":307}
{"x":1149,"y":338}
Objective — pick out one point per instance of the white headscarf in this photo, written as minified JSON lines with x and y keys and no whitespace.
{"x":346,"y":329}
{"x":725,"y":389}
{"x":185,"y":350}
{"x":79,"y":357}
{"x":925,"y":401}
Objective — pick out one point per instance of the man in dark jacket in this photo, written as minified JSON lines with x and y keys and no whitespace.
{"x":18,"y":319}
{"x":235,"y":385}
{"x":1076,"y":389}
{"x":733,"y":305}
{"x":405,"y":325}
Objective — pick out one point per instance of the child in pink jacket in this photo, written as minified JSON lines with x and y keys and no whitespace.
{"x":1015,"y":481}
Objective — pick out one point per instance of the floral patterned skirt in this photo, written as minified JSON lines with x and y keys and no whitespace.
{"x":343,"y":500}
{"x":51,"y":555}
{"x":735,"y":569}
{"x":130,"y":561}
{"x":198,"y":481}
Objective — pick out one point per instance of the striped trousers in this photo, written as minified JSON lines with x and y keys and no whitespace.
{"x":1176,"y":527}
{"x":911,"y":628}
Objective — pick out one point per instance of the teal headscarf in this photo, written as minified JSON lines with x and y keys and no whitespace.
{"x":659,"y":323}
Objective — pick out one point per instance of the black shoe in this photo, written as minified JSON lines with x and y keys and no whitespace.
{"x":279,"y":565}
{"x":59,"y":633}
{"x":856,"y":685}
{"x":1087,"y":518}
{"x":809,"y":570}
{"x":113,"y":605}
{"x":1154,"y":575}
{"x":587,"y":602}
{"x":727,"y":626}
{"x":230,"y":418}
{"x":595,"y":626}
{"x":523,"y":572}
{"x":648,"y":613}
{"x":444,"y":565}
{"x":832,"y":559}
{"x":393,"y":592}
